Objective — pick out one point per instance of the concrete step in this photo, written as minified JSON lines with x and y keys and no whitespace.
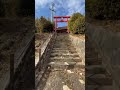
{"x":64,"y":65}
{"x":95,"y":69}
{"x":65,"y":58}
{"x":64,"y":54}
{"x":63,"y":48}
{"x":64,"y":51}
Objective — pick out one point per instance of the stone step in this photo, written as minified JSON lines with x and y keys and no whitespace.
{"x":65,"y":58}
{"x":93,"y":61}
{"x":64,"y":51}
{"x":64,"y":54}
{"x":95,"y":87}
{"x":70,"y":52}
{"x":100,"y":80}
{"x":64,"y":65}
{"x":63,"y":48}
{"x":95,"y":69}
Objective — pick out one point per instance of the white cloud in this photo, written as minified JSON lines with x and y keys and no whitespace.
{"x":41,"y":3}
{"x":70,"y":6}
{"x":75,"y":6}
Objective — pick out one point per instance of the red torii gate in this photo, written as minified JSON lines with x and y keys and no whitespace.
{"x":61,"y":19}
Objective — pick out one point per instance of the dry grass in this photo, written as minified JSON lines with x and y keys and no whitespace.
{"x":40,"y":38}
{"x":81,"y":36}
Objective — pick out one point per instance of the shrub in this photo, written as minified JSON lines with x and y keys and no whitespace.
{"x":38,"y":26}
{"x":79,"y":25}
{"x":43,"y":25}
{"x":76,"y":23}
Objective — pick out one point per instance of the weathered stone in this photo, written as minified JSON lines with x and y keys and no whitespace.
{"x":108,"y":44}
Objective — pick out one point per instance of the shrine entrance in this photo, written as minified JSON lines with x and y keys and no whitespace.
{"x":61,"y":19}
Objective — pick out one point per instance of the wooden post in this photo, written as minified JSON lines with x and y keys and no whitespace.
{"x":39,"y":59}
{"x":39,"y":53}
{"x":11,"y":71}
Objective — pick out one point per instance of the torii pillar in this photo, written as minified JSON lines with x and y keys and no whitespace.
{"x":61,"y":19}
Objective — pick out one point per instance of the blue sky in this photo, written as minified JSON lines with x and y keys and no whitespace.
{"x":62,"y":8}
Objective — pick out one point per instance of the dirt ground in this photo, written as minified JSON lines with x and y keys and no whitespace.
{"x":40,"y":38}
{"x":81,"y":36}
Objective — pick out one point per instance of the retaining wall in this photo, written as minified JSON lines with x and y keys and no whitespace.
{"x":79,"y":44}
{"x":108,"y":45}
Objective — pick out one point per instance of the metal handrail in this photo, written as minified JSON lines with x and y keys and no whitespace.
{"x":19,"y":58}
{"x":23,"y":52}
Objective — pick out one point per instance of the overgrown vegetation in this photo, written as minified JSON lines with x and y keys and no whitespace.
{"x":43,"y":25}
{"x":103,"y":9}
{"x":76,"y":24}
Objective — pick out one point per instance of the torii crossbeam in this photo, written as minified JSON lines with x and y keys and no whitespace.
{"x":61,"y":19}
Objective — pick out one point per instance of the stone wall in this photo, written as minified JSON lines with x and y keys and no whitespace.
{"x":45,"y":51}
{"x":108,"y":45}
{"x":40,"y":50}
{"x":79,"y":44}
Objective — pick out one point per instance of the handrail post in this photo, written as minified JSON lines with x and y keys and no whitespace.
{"x":39,"y":53}
{"x":40,"y":58}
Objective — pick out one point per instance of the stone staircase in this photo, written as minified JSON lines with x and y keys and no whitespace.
{"x":64,"y":70}
{"x":97,"y":77}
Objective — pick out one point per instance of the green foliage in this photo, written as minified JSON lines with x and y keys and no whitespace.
{"x":76,"y":23}
{"x":38,"y":26}
{"x":103,"y":9}
{"x":43,"y":25}
{"x":79,"y":25}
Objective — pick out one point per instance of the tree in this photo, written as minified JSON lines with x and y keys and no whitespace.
{"x":79,"y":25}
{"x":43,"y":25}
{"x":76,"y":23}
{"x":38,"y":26}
